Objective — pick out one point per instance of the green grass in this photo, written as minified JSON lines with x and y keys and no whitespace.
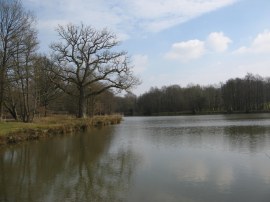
{"x":9,"y":127}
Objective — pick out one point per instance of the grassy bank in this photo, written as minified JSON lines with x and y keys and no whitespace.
{"x":15,"y":132}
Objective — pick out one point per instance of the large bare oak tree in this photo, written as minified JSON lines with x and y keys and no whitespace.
{"x":90,"y":60}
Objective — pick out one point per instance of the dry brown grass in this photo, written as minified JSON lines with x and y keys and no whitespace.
{"x":11,"y":132}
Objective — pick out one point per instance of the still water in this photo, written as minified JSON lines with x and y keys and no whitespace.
{"x":186,"y":158}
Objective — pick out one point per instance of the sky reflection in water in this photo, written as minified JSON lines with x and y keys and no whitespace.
{"x":189,"y":158}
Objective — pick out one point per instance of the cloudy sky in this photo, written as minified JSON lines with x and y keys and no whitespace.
{"x":172,"y":41}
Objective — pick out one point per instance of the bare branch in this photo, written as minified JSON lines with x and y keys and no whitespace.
{"x":86,"y":57}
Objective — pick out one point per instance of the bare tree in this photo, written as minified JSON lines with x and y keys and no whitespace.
{"x":86,"y":56}
{"x":23,"y":74}
{"x":14,"y":23}
{"x":45,"y":90}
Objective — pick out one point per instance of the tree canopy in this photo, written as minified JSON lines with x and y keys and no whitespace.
{"x":88,"y":59}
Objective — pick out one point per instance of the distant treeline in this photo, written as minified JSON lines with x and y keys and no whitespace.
{"x":248,"y":94}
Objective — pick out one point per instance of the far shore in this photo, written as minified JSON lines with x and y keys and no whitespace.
{"x":190,"y":113}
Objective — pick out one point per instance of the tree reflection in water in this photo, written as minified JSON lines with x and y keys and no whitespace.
{"x":247,"y":138}
{"x":76,"y":168}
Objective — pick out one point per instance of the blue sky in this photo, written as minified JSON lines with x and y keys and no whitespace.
{"x":173,"y":41}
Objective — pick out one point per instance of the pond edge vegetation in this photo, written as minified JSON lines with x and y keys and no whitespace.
{"x":17,"y":132}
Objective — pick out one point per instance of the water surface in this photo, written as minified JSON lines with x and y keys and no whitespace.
{"x":186,"y":158}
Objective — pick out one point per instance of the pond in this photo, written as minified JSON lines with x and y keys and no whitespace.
{"x":185,"y":158}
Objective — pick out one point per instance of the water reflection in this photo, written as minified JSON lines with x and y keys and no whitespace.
{"x":251,"y":139}
{"x":78,"y":168}
{"x":202,"y":159}
{"x":198,"y":158}
{"x":233,"y":135}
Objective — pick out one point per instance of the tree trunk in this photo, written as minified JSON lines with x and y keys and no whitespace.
{"x":2,"y":78}
{"x":12,"y":110}
{"x":45,"y":110}
{"x":82,"y":104}
{"x":2,"y":88}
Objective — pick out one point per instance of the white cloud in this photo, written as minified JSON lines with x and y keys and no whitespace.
{"x":140,"y":63}
{"x":160,"y":14}
{"x":51,"y":24}
{"x":127,"y":15}
{"x":123,"y":17}
{"x":260,"y":44}
{"x":187,"y":50}
{"x":193,"y":49}
{"x":218,"y":42}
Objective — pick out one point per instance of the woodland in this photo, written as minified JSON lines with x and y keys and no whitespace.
{"x":84,"y":72}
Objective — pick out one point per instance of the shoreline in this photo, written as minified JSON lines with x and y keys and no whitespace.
{"x":58,"y":127}
{"x":189,"y":113}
